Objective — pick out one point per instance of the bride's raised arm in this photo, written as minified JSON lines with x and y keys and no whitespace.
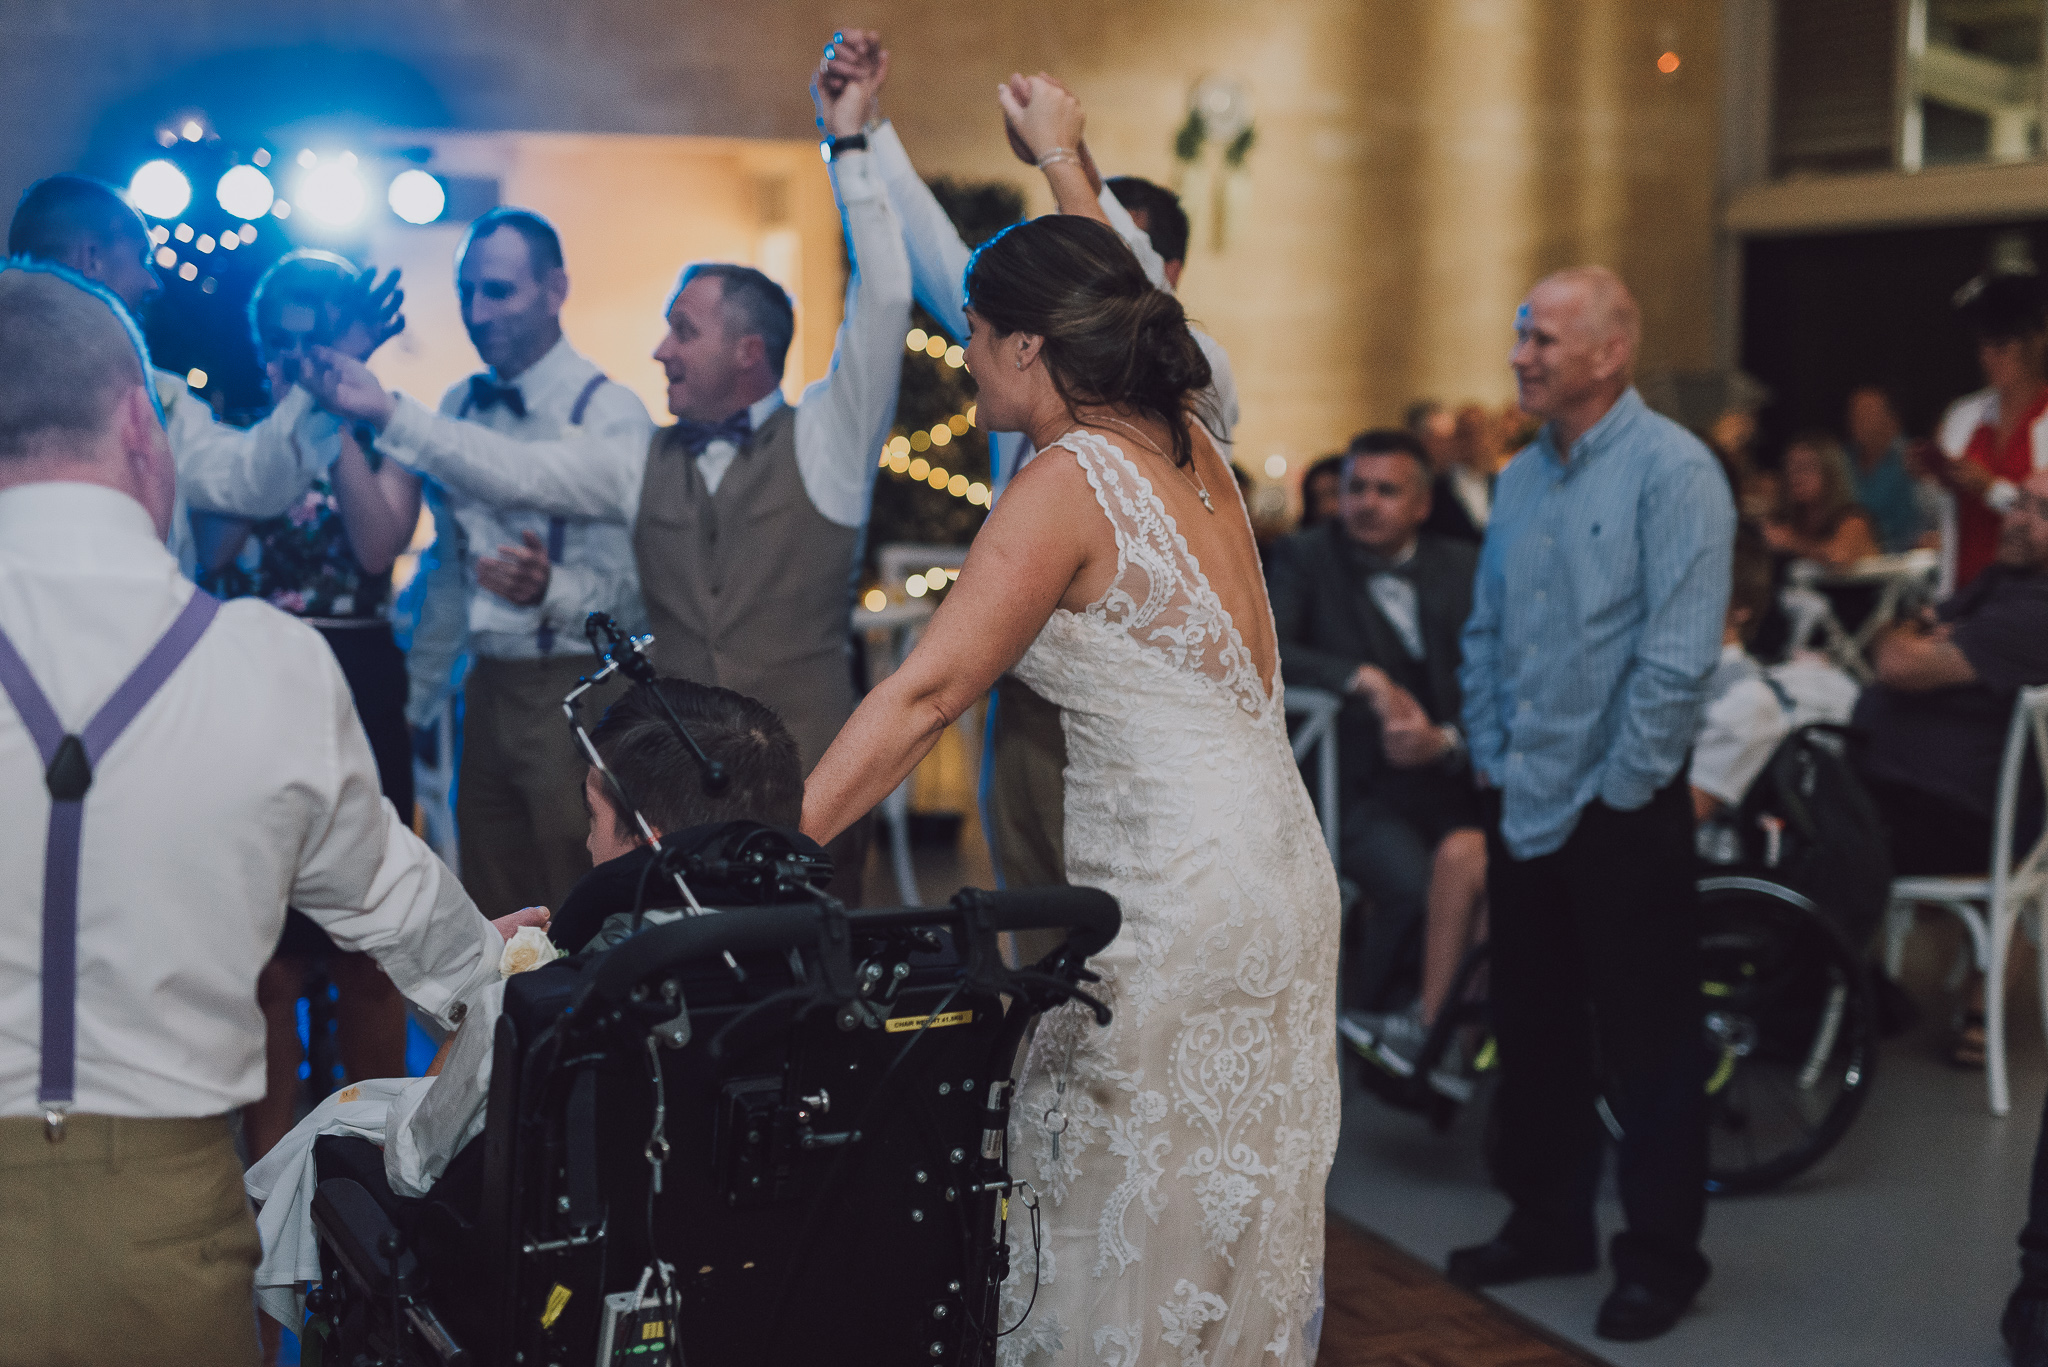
{"x":1023,"y":562}
{"x":1045,"y":121}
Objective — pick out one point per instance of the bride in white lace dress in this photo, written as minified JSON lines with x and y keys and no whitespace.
{"x":1180,"y":1154}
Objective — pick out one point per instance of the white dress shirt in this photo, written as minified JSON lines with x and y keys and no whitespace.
{"x":1394,"y":595}
{"x":938,"y":267}
{"x":595,"y":573}
{"x":841,"y":420}
{"x":256,"y":472}
{"x":245,"y":784}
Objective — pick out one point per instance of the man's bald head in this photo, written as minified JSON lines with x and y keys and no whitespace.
{"x":68,"y":354}
{"x":1576,"y":338}
{"x":1599,"y":302}
{"x":76,"y":402}
{"x":84,"y":224}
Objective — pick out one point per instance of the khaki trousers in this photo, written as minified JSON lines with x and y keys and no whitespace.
{"x":128,"y":1241}
{"x":1027,"y":794}
{"x":519,"y":801}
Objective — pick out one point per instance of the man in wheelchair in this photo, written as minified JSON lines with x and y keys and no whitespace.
{"x":670,"y":1139}
{"x":425,"y":1125}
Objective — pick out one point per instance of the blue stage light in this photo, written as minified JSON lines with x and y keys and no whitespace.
{"x":245,"y":192}
{"x":160,"y":189}
{"x":417,"y":197}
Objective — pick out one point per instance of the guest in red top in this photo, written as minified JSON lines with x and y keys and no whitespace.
{"x":1996,"y":438}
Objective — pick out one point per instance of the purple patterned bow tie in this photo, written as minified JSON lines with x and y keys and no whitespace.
{"x":695,"y":436}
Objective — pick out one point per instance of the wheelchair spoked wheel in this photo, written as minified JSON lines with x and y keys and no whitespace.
{"x":1791,"y":1032}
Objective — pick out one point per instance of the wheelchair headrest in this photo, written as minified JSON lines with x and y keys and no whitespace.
{"x":731,"y":863}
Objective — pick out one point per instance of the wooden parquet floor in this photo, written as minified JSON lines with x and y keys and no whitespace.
{"x":1388,"y":1309}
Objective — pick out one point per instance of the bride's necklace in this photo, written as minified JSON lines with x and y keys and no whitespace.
{"x":1195,"y":481}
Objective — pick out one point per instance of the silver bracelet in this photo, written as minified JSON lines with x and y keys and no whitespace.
{"x":1055,"y":155}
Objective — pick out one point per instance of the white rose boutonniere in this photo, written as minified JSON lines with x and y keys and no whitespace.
{"x":528,"y":949}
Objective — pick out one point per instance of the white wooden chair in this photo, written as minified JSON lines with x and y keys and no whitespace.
{"x":1317,"y":734}
{"x":1989,"y":907}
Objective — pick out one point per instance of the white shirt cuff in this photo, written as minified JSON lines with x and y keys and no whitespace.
{"x":854,"y":178}
{"x":411,"y":426}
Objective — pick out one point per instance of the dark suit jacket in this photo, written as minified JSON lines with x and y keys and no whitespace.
{"x":1329,"y":625}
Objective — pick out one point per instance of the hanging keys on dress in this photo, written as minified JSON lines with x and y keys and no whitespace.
{"x":1056,"y":1119}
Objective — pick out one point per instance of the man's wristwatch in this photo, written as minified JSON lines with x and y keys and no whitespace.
{"x":830,"y":148}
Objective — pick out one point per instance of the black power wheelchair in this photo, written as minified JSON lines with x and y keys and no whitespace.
{"x":1788,"y":902}
{"x":775,"y":1133}
{"x":816,"y":1153}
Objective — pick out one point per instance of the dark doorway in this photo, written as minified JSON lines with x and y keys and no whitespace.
{"x":1824,"y":314}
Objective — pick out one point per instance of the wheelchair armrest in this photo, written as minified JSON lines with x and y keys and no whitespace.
{"x":365,"y":1241}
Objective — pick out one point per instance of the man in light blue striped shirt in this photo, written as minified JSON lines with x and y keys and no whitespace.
{"x":1596,"y":620}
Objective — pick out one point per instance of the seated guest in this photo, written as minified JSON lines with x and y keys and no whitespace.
{"x":1817,"y":516}
{"x":177,"y":771}
{"x":1370,"y":607}
{"x":1887,"y":481}
{"x":1935,"y":721}
{"x":327,"y":561}
{"x":1475,"y":456}
{"x":422,"y":1123}
{"x":1744,"y":719}
{"x":1436,"y":429}
{"x":1319,"y":492}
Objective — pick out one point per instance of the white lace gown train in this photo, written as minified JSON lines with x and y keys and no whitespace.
{"x":1179,"y":1155}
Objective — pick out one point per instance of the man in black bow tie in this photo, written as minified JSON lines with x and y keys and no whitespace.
{"x":509,"y":584}
{"x":747,"y":515}
{"x":1369,"y":607}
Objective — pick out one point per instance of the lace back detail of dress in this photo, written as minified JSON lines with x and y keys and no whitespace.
{"x":1160,"y":595}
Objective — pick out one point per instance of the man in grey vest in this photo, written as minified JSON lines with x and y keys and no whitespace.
{"x":748,"y":513}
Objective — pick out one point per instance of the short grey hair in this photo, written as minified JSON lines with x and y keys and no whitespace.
{"x":68,"y":353}
{"x":753,"y":306}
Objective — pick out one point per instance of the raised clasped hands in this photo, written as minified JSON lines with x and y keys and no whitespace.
{"x":1041,"y":116}
{"x":847,"y":86}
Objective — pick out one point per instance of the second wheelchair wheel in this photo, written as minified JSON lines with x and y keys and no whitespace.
{"x":1790,"y":1032}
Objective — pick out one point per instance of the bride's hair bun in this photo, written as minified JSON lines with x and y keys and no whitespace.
{"x":1110,"y":336}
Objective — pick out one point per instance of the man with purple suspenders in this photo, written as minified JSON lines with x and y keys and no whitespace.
{"x":176,"y":770}
{"x":513,"y":585}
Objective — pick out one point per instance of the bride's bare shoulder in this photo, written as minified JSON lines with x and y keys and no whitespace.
{"x":1054,"y":472}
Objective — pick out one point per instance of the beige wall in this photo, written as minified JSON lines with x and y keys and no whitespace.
{"x":1419,"y":161}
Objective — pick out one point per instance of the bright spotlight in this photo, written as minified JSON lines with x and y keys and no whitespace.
{"x":417,"y":197}
{"x":160,"y":190}
{"x":333,"y":193}
{"x":245,"y":192}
